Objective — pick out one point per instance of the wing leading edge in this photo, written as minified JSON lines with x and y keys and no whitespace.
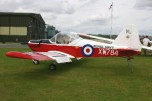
{"x":41,"y":56}
{"x":27,"y":55}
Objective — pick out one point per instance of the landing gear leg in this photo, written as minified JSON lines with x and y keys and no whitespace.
{"x":36,"y":62}
{"x":130,"y":64}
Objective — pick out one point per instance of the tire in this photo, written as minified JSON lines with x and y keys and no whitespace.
{"x":36,"y":62}
{"x":52,"y":67}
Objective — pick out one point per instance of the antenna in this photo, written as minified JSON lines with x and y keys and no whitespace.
{"x":111,"y":8}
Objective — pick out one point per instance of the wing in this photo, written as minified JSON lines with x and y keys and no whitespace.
{"x":59,"y":57}
{"x":27,"y":55}
{"x":95,"y":37}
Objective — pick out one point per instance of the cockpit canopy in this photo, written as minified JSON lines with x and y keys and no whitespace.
{"x":64,"y":38}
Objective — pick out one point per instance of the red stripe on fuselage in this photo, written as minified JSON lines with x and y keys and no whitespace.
{"x":77,"y":51}
{"x":72,"y":50}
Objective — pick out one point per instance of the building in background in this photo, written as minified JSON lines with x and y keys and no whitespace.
{"x":21,"y":27}
{"x":50,"y":31}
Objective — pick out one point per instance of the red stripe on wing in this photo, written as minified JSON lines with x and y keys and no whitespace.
{"x":27,"y":55}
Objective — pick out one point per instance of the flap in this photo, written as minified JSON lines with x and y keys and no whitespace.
{"x":58,"y":56}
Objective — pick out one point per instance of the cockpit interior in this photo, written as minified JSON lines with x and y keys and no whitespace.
{"x":64,"y":38}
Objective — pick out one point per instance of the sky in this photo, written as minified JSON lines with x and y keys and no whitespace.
{"x":87,"y":16}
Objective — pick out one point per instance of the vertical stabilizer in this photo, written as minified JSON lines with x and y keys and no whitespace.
{"x":129,"y":37}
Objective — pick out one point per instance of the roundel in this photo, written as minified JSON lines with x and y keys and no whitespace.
{"x":87,"y":50}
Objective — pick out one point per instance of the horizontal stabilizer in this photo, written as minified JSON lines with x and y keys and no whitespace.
{"x":146,"y":47}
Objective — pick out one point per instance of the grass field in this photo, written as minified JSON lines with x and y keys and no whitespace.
{"x":94,"y":79}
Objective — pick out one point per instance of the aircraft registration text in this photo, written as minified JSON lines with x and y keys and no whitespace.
{"x":104,"y":51}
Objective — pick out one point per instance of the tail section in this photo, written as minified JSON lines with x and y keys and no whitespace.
{"x":129,"y":37}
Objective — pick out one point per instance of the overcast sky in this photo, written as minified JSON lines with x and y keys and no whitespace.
{"x":87,"y":16}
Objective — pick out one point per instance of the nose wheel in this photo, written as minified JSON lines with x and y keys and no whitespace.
{"x":52,"y":67}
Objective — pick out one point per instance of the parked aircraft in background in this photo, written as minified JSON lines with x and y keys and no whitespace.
{"x":65,"y":46}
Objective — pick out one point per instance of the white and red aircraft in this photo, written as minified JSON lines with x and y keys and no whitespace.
{"x":65,"y":46}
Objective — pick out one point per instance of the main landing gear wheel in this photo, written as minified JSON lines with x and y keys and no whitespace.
{"x":52,"y":67}
{"x":36,"y":62}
